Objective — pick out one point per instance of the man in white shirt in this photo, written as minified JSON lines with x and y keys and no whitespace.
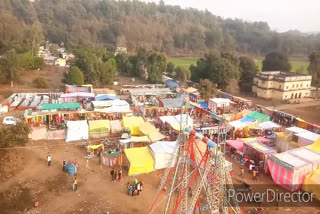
{"x":49,"y":159}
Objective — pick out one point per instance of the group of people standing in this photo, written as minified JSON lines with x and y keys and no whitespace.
{"x":116,"y":175}
{"x":135,"y":188}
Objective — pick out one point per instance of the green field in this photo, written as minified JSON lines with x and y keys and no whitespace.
{"x":185,"y":62}
{"x":295,"y":65}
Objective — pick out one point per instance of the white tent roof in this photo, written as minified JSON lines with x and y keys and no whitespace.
{"x":164,"y":147}
{"x":309,"y":136}
{"x":268,"y":125}
{"x":221,"y":100}
{"x":295,"y":129}
{"x":298,"y":158}
{"x":238,"y":124}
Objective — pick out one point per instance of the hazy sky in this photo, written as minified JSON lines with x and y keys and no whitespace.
{"x":281,"y":15}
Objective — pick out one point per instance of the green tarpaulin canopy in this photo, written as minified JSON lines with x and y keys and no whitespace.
{"x":60,"y":106}
{"x":259,"y":116}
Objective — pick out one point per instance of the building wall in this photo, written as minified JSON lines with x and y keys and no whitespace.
{"x":291,"y":89}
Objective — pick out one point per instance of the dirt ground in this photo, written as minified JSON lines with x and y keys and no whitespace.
{"x":26,"y":178}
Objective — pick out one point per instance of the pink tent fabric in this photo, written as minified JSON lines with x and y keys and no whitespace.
{"x":263,"y":139}
{"x":237,"y":144}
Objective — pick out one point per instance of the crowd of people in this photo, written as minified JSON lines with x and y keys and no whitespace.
{"x":134,"y":188}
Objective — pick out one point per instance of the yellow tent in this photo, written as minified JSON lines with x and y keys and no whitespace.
{"x":146,"y":128}
{"x":312,"y":183}
{"x":142,"y":139}
{"x":99,"y":128}
{"x":132,"y":123}
{"x":140,"y":159}
{"x":315,"y":146}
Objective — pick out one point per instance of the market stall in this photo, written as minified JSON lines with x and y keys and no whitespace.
{"x":99,"y":128}
{"x":289,"y":169}
{"x":38,"y":133}
{"x":140,"y":160}
{"x":163,"y":153}
{"x":260,"y":117}
{"x":258,"y":152}
{"x":115,"y":126}
{"x":220,"y":105}
{"x":237,"y":145}
{"x":269,"y":125}
{"x":312,"y":183}
{"x":140,"y":141}
{"x":132,"y":123}
{"x":307,"y":138}
{"x":77,"y":130}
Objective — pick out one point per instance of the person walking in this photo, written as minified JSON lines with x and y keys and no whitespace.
{"x":63,"y":165}
{"x":112,"y":174}
{"x":87,"y":166}
{"x":242,"y":175}
{"x":75,"y":184}
{"x":254,"y":174}
{"x":49,"y":159}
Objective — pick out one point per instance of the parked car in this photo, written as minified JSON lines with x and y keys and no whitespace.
{"x":10,"y":120}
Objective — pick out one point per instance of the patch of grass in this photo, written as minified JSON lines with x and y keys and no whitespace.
{"x":296,"y":66}
{"x":184,"y":62}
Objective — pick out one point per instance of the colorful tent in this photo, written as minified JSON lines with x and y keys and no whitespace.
{"x":315,"y":146}
{"x":99,"y":128}
{"x":77,"y":130}
{"x":238,"y":124}
{"x":307,"y":138}
{"x":142,"y":139}
{"x":59,"y":106}
{"x":132,"y":123}
{"x":236,"y":144}
{"x":146,"y":128}
{"x":140,"y":159}
{"x":312,"y":183}
{"x":289,"y":169}
{"x":268,"y":125}
{"x":259,"y":116}
{"x":163,"y":153}
{"x":247,"y":119}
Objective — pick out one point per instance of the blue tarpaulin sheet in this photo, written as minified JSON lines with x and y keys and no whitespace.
{"x":106,"y":97}
{"x":247,"y":119}
{"x":203,"y":105}
{"x":172,"y":84}
{"x":70,"y":168}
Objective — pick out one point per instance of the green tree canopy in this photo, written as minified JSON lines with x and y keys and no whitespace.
{"x":75,"y":76}
{"x":207,"y":89}
{"x":170,"y":68}
{"x":156,"y":66}
{"x":276,"y":61}
{"x":182,"y":74}
{"x":108,"y":72}
{"x":218,"y":69}
{"x":248,"y":69}
{"x":14,"y":135}
{"x":314,"y":68}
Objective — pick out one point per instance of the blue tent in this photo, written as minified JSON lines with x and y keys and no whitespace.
{"x":247,"y":119}
{"x":203,"y":105}
{"x":172,"y":84}
{"x":106,"y":97}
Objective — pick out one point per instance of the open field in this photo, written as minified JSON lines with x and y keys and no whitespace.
{"x":296,"y":66}
{"x":186,"y":62}
{"x":183,"y":61}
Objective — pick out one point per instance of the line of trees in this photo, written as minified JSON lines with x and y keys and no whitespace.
{"x":134,"y":24}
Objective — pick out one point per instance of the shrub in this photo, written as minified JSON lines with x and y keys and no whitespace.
{"x":39,"y":83}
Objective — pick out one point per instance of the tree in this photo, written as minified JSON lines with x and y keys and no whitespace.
{"x":75,"y":76}
{"x":108,"y":72}
{"x":14,"y":135}
{"x":248,"y":69}
{"x":170,"y":68}
{"x":182,"y":74}
{"x":276,"y":61}
{"x":314,"y":68}
{"x":207,"y":89}
{"x":156,"y":66}
{"x":10,"y":66}
{"x":53,"y":48}
{"x":219,"y":70}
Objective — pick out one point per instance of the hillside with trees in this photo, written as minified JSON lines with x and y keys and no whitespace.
{"x":133,"y":24}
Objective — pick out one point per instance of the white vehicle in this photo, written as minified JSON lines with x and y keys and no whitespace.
{"x":10,"y":120}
